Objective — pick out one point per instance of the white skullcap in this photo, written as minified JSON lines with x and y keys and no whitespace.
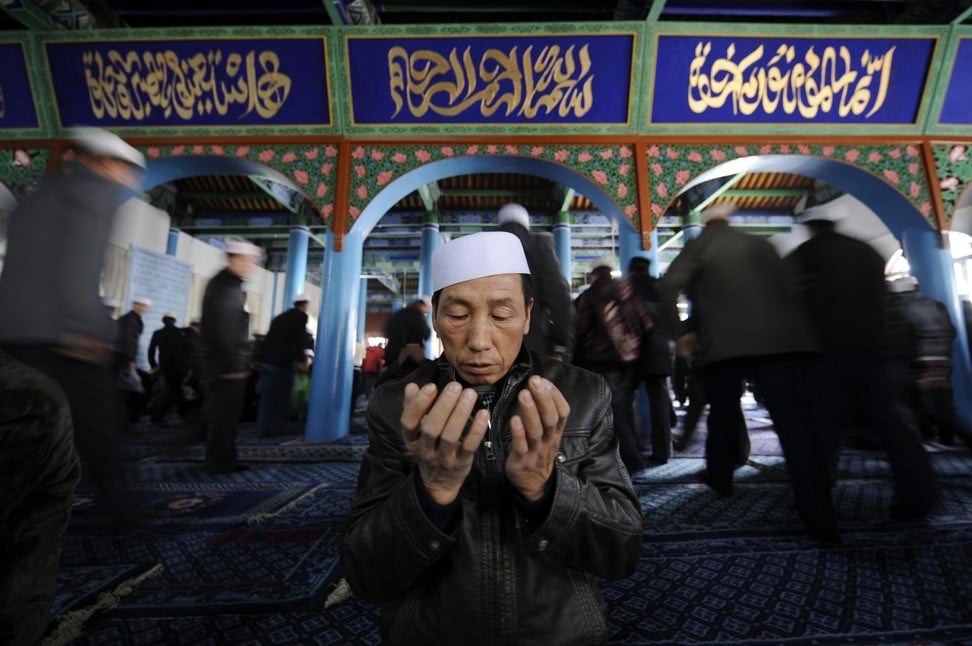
{"x":514,"y":213}
{"x":143,"y":300}
{"x":720,"y":211}
{"x":239,"y":248}
{"x":102,"y":143}
{"x":111,"y":302}
{"x":478,"y":255}
{"x":169,"y":315}
{"x":603,"y":261}
{"x":300,"y":298}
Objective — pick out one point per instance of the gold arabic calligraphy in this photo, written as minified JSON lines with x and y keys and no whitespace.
{"x":449,"y":85}
{"x":131,"y":85}
{"x":809,"y":86}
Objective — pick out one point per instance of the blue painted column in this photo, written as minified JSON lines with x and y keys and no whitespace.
{"x":430,"y":242}
{"x":362,"y":311}
{"x":561,"y":234}
{"x":273,"y":298}
{"x":397,"y":303}
{"x":934,"y":268}
{"x":172,"y":244}
{"x":296,"y":264}
{"x":630,"y":243}
{"x":329,"y":412}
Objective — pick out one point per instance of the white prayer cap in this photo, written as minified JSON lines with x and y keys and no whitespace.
{"x":427,"y":300}
{"x":300,"y":298}
{"x":514,"y":213}
{"x":720,"y":211}
{"x":240,"y":248}
{"x":102,"y":143}
{"x":478,"y":255}
{"x":169,"y":315}
{"x":603,"y":261}
{"x":111,"y":302}
{"x":147,"y":302}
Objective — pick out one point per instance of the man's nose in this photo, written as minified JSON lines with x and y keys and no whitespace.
{"x":480,"y":332}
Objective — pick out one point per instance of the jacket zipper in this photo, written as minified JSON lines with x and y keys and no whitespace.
{"x":488,"y":442}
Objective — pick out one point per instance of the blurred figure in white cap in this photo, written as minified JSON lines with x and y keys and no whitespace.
{"x":467,"y":456}
{"x":167,"y":358}
{"x":227,"y":352}
{"x":746,"y":324}
{"x":281,"y":355}
{"x":130,"y":328}
{"x":840,"y":280}
{"x":552,"y":320}
{"x":54,"y":321}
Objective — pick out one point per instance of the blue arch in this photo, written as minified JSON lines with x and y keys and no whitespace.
{"x":895,"y":210}
{"x":410,"y":181}
{"x":160,"y":171}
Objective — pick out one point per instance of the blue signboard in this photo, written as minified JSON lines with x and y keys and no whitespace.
{"x":957,"y":108}
{"x":548,"y":80}
{"x":716,"y":79}
{"x":140,"y":83}
{"x":16,"y":98}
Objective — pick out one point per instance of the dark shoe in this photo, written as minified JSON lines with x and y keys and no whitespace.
{"x":679,"y":443}
{"x":654,"y":462}
{"x":722,"y":490}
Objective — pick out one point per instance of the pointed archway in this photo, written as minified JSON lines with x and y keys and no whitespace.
{"x":331,"y":381}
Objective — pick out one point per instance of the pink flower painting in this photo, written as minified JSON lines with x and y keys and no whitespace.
{"x":288,"y":157}
{"x":321,"y":190}
{"x":384,"y":177}
{"x":358,"y":153}
{"x":362,"y":192}
{"x":600,"y":177}
{"x":312,"y":153}
{"x":377,"y":155}
{"x":301,"y":176}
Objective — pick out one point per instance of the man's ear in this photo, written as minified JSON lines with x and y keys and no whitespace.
{"x":529,"y":310}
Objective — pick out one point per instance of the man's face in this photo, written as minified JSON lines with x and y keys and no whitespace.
{"x":241,"y":264}
{"x":140,"y":308}
{"x":481,"y":324}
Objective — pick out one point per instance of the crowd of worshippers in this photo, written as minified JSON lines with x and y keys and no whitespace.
{"x":837,"y":354}
{"x":170,"y":393}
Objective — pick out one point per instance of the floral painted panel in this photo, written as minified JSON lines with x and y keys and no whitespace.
{"x":953,"y":163}
{"x":609,"y":166}
{"x":311,"y":167}
{"x":672,"y":167}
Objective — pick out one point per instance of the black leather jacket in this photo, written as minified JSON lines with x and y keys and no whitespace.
{"x":494,"y":579}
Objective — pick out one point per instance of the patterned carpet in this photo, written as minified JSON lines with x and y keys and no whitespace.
{"x":249,"y":558}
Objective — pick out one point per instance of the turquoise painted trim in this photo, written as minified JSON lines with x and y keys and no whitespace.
{"x":430,"y":242}
{"x":296,"y":268}
{"x":329,"y":411}
{"x":933,"y":267}
{"x":362,"y":312}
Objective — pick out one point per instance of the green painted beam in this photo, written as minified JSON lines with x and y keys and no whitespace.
{"x":482,"y":6}
{"x":51,"y":15}
{"x":656,"y":10}
{"x":568,"y":195}
{"x":224,"y":195}
{"x":332,"y":12}
{"x":718,"y":192}
{"x":962,"y":17}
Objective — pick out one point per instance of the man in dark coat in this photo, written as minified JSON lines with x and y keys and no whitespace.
{"x":552,"y":322}
{"x":225,"y":331}
{"x":281,"y":353}
{"x":407,"y":331}
{"x":167,"y":358}
{"x":841,"y":281}
{"x":748,"y":324}
{"x":656,"y":358}
{"x":488,"y":507}
{"x":53,"y":317}
{"x":130,"y":327}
